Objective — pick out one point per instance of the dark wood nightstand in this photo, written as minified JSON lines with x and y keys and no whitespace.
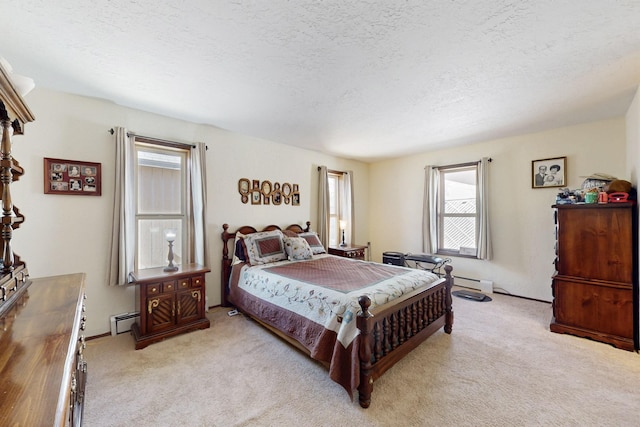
{"x":170,"y":303}
{"x":354,"y":252}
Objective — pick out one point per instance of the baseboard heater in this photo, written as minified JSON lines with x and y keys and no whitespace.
{"x":485,"y":286}
{"x":121,"y":323}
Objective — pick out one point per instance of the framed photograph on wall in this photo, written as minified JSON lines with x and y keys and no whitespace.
{"x":73,"y":177}
{"x":546,"y":173}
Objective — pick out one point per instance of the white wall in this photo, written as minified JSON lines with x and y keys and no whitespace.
{"x":67,"y":234}
{"x":521,"y":217}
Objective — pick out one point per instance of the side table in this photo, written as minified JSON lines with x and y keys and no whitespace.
{"x":170,"y":303}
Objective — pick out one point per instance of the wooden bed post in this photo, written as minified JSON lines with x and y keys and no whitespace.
{"x":448,"y":303}
{"x":226,"y":267}
{"x":364,"y":352}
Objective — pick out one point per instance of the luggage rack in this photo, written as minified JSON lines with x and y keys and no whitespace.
{"x":420,"y":261}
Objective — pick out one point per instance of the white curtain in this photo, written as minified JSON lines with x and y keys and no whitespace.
{"x":199,"y":203}
{"x":484,"y":250}
{"x":429,"y":210}
{"x":122,"y":256}
{"x":347,"y":207}
{"x":323,"y":205}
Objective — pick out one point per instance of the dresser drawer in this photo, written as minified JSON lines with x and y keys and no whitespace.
{"x":168,"y":286}
{"x":153,"y":288}
{"x":197,"y":281}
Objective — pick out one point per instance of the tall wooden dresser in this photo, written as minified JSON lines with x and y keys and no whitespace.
{"x":595,"y":287}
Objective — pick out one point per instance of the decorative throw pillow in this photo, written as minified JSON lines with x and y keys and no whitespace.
{"x":297,"y":248}
{"x":314,"y":242}
{"x":265,"y":247}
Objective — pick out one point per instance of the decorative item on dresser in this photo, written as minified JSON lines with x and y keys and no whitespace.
{"x":170,"y":302}
{"x":42,"y":368}
{"x":14,"y":114}
{"x":349,"y":251}
{"x":355,"y":317}
{"x":595,"y":287}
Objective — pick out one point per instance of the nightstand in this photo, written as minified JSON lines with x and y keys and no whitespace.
{"x":354,"y":252}
{"x":170,"y":303}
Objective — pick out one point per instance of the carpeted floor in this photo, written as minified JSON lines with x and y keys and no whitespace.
{"x":500,"y":367}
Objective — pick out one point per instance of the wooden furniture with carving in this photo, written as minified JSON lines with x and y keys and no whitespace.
{"x":42,"y":369}
{"x":170,"y":303}
{"x":386,"y":333}
{"x":349,"y":251}
{"x":595,"y":287}
{"x":14,"y":114}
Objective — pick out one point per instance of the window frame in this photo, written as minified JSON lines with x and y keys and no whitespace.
{"x":338,"y":178}
{"x":143,"y":144}
{"x":441,"y":214}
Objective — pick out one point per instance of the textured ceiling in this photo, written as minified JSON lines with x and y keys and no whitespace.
{"x":357,"y":79}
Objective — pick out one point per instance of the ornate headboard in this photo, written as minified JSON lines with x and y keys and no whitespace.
{"x":226,"y":259}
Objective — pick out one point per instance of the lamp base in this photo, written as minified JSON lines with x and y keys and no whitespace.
{"x":342,"y":245}
{"x":171,"y":268}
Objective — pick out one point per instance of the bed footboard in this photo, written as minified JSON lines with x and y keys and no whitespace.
{"x":393,"y":332}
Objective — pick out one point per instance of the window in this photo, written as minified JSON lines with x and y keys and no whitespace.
{"x":458,"y":210}
{"x":161,"y":204}
{"x":336,"y":195}
{"x":339,"y":207}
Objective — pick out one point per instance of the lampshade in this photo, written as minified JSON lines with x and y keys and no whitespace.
{"x":343,"y":224}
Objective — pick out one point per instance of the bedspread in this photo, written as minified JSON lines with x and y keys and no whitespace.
{"x":316,"y":302}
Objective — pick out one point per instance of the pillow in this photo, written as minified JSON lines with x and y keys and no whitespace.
{"x":297,"y":248}
{"x":239,"y":250}
{"x":265,"y":247}
{"x":314,"y":242}
{"x":289,"y":233}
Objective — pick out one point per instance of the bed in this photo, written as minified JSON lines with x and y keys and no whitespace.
{"x":356,"y":317}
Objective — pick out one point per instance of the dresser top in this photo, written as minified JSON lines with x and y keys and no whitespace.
{"x":37,"y":343}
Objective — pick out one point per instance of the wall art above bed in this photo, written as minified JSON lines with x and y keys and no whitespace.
{"x":267,"y":192}
{"x":72,"y":177}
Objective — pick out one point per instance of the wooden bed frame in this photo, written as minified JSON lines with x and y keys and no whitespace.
{"x":387,"y":333}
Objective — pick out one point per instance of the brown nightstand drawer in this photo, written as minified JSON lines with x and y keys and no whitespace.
{"x":153,"y":288}
{"x":197,"y":281}
{"x":169,"y":286}
{"x":184,"y":283}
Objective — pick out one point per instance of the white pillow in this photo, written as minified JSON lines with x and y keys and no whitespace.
{"x":297,"y":248}
{"x":314,"y":241}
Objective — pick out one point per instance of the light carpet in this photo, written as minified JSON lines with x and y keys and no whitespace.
{"x":501,"y":366}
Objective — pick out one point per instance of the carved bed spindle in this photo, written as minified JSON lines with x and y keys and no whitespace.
{"x":366,"y":380}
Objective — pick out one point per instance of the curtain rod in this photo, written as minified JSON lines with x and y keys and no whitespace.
{"x":331,"y":170}
{"x":460,"y":164}
{"x":163,"y":141}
